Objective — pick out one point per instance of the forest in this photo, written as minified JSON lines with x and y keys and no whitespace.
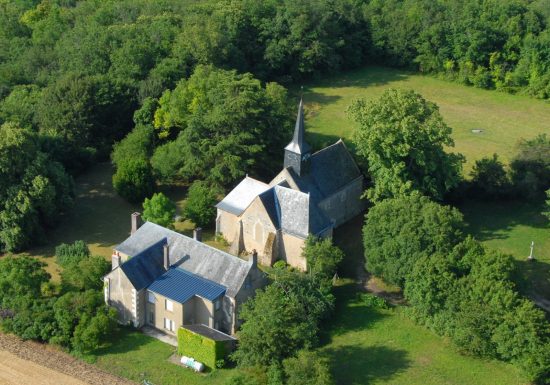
{"x":78,"y":76}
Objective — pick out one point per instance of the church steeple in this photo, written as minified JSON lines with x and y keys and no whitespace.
{"x":298,"y":151}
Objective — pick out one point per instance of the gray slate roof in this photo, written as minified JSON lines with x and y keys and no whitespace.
{"x":180,"y":286}
{"x":242,"y":196}
{"x":331,"y":169}
{"x":293,"y":212}
{"x":145,"y":266}
{"x":191,"y":255}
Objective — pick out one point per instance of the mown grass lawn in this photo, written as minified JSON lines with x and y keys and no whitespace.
{"x":138,"y":357}
{"x":510,"y":227}
{"x":369,"y":346}
{"x":504,"y":118}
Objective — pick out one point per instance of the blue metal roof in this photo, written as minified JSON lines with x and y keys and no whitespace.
{"x":180,"y":285}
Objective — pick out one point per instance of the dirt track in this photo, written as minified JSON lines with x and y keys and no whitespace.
{"x":30,"y":363}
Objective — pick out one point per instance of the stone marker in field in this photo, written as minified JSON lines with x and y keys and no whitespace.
{"x":531,"y":255}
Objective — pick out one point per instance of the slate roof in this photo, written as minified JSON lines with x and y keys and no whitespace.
{"x":180,"y":286}
{"x":298,"y":144}
{"x":145,"y":266}
{"x":331,"y":169}
{"x":191,"y":255}
{"x":242,"y":196}
{"x":293,"y":211}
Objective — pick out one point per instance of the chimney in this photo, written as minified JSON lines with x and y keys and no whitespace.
{"x":115,"y":260}
{"x":254,"y":258}
{"x":136,"y":222}
{"x":197,"y":234}
{"x":166,"y":257}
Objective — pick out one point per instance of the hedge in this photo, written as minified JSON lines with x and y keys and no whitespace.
{"x":200,"y":348}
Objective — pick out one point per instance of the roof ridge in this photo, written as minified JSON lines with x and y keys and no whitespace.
{"x":330,"y":145}
{"x":225,"y":254}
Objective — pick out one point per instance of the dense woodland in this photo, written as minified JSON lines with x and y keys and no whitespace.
{"x":198,"y":80}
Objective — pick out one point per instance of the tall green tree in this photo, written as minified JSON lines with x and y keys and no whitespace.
{"x":403,"y":137}
{"x":199,"y":206}
{"x":400,"y":231}
{"x":225,"y":124}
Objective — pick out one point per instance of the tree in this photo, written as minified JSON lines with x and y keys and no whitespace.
{"x":403,"y":137}
{"x":489,"y":178}
{"x":225,"y":124}
{"x":34,"y":190}
{"x":85,"y":274}
{"x":307,"y":368}
{"x":20,"y":277}
{"x":399,"y":231}
{"x":281,"y":319}
{"x":159,"y":209}
{"x":133,"y":179}
{"x":530,"y":167}
{"x":199,"y":207}
{"x":322,"y":257}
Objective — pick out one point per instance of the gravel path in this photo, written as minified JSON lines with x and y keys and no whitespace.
{"x":51,"y":358}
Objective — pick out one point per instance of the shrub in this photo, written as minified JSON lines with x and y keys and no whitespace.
{"x":371,"y":300}
{"x":160,"y":210}
{"x":67,"y":254}
{"x":307,"y":368}
{"x":489,"y":178}
{"x":201,"y":348}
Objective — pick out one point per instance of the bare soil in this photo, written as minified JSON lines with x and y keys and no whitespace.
{"x":27,"y":362}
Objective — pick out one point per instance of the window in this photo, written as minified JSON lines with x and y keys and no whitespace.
{"x":151,"y":297}
{"x":152,"y":317}
{"x":169,"y":305}
{"x":169,"y":324}
{"x":217,"y":304}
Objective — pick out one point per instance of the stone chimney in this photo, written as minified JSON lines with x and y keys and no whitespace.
{"x":136,"y":222}
{"x":166,"y":257}
{"x":197,"y":234}
{"x":254,"y":258}
{"x":115,"y":260}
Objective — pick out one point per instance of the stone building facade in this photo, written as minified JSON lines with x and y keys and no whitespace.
{"x":313,"y":194}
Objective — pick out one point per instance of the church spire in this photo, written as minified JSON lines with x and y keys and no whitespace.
{"x":297,"y":152}
{"x":298,"y":144}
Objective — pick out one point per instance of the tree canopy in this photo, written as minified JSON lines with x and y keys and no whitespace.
{"x":403,"y":137}
{"x":160,"y":210}
{"x":401,"y":230}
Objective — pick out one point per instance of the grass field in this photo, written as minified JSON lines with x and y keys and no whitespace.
{"x":504,"y":118}
{"x":376,"y":347}
{"x":138,"y":357}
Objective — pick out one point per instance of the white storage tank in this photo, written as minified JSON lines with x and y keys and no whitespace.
{"x":191,"y":363}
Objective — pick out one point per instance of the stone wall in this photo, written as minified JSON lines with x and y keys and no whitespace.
{"x":345,"y":203}
{"x":120,"y":295}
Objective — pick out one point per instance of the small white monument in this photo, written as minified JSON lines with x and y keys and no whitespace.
{"x":531,"y":255}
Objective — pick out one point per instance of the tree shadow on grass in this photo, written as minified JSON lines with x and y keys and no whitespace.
{"x":361,"y":365}
{"x":494,"y":220}
{"x":124,"y":340}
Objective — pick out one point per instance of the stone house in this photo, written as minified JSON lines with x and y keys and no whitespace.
{"x":313,"y":194}
{"x":166,"y":280}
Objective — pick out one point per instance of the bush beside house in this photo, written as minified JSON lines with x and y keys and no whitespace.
{"x":201,"y":348}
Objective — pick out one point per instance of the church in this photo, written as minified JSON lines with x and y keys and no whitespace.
{"x":313,"y":194}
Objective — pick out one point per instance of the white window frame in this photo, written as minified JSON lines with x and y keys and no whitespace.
{"x":169,"y":324}
{"x":151,"y":297}
{"x":169,"y":305}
